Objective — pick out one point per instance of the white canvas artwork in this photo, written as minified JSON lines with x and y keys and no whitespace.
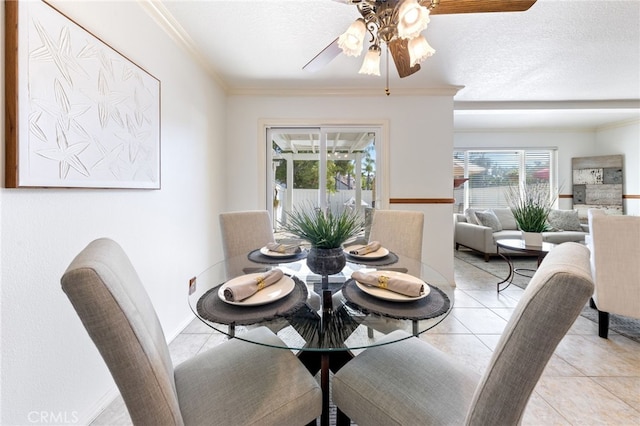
{"x":87,"y":116}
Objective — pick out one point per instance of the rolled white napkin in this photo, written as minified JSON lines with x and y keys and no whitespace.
{"x":283,"y":248}
{"x":250,"y":285}
{"x":369,"y":248}
{"x":395,"y":284}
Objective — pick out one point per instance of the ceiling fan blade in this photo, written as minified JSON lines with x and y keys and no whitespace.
{"x":481,"y":6}
{"x":325,"y":56}
{"x":400,"y":54}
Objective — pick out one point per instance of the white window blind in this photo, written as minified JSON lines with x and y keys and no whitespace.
{"x":490,"y":172}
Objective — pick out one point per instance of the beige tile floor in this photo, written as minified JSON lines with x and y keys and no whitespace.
{"x":588,"y":381}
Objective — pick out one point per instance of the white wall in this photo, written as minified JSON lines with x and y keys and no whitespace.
{"x":49,"y":364}
{"x":624,"y":139}
{"x":420,"y":130}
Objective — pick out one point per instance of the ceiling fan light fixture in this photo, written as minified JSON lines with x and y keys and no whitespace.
{"x":352,"y":40}
{"x":419,"y":50}
{"x":398,"y":25}
{"x":371,"y":63}
{"x":412,"y":19}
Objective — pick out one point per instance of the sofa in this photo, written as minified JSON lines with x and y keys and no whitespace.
{"x":479,"y":229}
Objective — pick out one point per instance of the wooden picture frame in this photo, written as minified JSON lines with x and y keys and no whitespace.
{"x":78,"y":113}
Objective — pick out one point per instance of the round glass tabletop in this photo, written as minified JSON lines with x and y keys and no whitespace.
{"x":314,"y":313}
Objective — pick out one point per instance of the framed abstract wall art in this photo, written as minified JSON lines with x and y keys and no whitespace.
{"x":78,"y":113}
{"x":597,"y":184}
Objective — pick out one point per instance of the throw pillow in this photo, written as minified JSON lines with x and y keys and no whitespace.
{"x":470,"y":214}
{"x":564,"y":220}
{"x":505,"y":216}
{"x":489,"y":218}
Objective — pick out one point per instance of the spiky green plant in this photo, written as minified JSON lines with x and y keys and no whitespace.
{"x":323,"y":230}
{"x":530,"y":205}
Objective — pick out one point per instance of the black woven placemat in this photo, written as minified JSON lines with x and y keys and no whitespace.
{"x":435,"y":304}
{"x":389,"y":259}
{"x":256,"y":256}
{"x":212,"y":308}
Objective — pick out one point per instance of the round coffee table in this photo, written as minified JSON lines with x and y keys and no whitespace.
{"x":521,"y":247}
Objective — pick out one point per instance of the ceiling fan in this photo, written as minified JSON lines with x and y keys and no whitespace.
{"x":397,"y":24}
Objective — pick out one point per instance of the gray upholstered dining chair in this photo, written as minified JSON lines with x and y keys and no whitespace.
{"x":411,"y":382}
{"x":235,"y":383}
{"x":242,"y":232}
{"x":400,"y":231}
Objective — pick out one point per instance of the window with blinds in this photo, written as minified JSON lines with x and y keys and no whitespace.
{"x":490,"y":172}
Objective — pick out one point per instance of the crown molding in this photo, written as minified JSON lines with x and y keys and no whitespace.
{"x":630,"y":109}
{"x":338,"y":91}
{"x":156,"y":10}
{"x":631,"y":104}
{"x":170,"y":25}
{"x":526,"y":130}
{"x":617,"y":124}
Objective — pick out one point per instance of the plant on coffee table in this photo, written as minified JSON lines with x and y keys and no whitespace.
{"x":530,"y":204}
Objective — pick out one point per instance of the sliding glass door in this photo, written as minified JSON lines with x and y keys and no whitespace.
{"x":330,"y":168}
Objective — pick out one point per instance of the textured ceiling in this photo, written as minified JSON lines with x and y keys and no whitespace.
{"x":565,"y":52}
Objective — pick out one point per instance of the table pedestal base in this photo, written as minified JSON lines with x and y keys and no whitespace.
{"x":325,"y":361}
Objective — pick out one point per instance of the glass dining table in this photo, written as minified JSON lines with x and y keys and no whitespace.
{"x":325,"y":320}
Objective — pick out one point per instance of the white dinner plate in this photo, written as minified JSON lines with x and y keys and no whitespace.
{"x":268,"y":294}
{"x":378,"y":254}
{"x":265,"y":251}
{"x":392,"y":296}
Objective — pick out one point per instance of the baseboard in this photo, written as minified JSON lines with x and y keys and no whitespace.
{"x":180,"y":328}
{"x":101,"y":405}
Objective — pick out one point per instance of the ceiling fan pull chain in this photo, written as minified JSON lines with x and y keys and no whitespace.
{"x":386,"y":89}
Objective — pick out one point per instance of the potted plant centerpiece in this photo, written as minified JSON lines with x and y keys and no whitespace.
{"x":530,"y":205}
{"x":326,"y":232}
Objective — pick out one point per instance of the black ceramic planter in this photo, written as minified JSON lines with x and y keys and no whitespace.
{"x":326,"y":261}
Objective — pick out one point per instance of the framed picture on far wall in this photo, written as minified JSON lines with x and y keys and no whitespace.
{"x":79,"y":114}
{"x":597,"y":184}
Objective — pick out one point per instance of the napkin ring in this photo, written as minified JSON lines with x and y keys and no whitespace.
{"x":260,"y":282}
{"x":383,"y":282}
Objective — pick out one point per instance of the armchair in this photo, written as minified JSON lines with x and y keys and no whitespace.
{"x":615,"y":250}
